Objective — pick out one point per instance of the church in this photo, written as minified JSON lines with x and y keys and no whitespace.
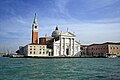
{"x":59,"y":44}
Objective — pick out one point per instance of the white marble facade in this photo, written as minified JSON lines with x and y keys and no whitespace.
{"x":66,"y":45}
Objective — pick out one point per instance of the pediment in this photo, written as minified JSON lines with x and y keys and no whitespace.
{"x":68,"y":34}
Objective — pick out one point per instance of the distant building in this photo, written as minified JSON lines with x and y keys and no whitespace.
{"x":59,"y":44}
{"x":21,"y":50}
{"x":35,"y":50}
{"x":35,"y":31}
{"x":104,"y":49}
{"x":84,"y":52}
{"x":66,"y":45}
{"x":45,"y":40}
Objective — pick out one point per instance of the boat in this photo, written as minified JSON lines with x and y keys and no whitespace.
{"x":111,"y":56}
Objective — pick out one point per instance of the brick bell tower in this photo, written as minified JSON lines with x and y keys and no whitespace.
{"x":35,"y":31}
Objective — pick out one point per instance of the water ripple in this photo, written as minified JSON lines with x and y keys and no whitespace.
{"x":59,"y":69}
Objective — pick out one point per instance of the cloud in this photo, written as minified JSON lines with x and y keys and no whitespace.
{"x":14,"y":27}
{"x":61,"y":8}
{"x":61,"y":4}
{"x":99,"y":4}
{"x":93,"y":9}
{"x":106,"y":20}
{"x":92,"y":20}
{"x":95,"y":33}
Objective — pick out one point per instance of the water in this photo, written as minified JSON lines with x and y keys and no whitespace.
{"x":59,"y":69}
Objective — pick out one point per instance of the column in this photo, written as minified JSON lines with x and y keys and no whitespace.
{"x":73,"y":46}
{"x":54,"y":49}
{"x":70,"y":46}
{"x":61,"y":46}
{"x":64,"y":46}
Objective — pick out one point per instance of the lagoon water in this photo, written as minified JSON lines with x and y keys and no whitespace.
{"x":59,"y":69}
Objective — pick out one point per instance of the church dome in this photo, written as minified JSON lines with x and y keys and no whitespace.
{"x":56,"y":32}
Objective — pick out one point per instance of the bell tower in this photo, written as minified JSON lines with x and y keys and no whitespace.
{"x":35,"y":30}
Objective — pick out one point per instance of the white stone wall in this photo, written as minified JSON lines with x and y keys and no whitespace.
{"x":66,"y":45}
{"x":36,"y":50}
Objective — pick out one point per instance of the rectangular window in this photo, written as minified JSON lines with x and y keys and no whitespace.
{"x":43,"y":52}
{"x":111,"y":47}
{"x":40,"y":53}
{"x":30,"y":52}
{"x":117,"y":47}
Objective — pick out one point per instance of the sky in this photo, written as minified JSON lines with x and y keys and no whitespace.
{"x":93,"y":21}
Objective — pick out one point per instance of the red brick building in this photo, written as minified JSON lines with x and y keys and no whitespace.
{"x":35,"y":31}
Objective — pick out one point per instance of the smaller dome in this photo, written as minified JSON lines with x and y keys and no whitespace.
{"x":56,"y":33}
